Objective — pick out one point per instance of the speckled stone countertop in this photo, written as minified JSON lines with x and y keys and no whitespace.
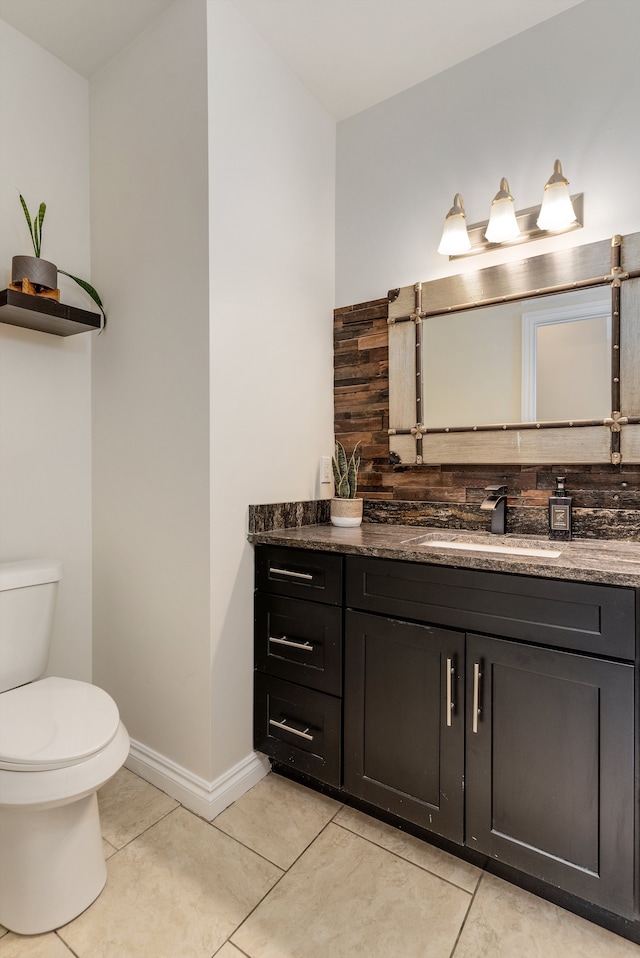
{"x":604,"y":561}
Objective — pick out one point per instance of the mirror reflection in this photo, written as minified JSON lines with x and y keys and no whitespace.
{"x":535,"y":360}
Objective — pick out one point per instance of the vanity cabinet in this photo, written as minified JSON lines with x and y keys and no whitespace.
{"x":494,"y":710}
{"x":513,"y":743}
{"x":298,"y":659}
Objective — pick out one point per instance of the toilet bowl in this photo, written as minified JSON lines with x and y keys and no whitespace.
{"x":60,"y":740}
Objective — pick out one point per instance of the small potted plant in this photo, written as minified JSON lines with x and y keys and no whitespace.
{"x":346,"y":509}
{"x":41,"y":275}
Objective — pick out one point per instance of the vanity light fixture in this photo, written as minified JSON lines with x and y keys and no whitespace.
{"x":503,"y":226}
{"x":455,"y":239}
{"x":558,"y":213}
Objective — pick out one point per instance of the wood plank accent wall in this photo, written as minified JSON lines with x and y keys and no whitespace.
{"x":361,"y":397}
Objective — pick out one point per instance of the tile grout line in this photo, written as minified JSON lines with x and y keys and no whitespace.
{"x":332,"y":821}
{"x":464,"y":921}
{"x":268,"y":860}
{"x":70,"y":949}
{"x":242,"y":844}
{"x":143,"y":832}
{"x":275,"y":884}
{"x":428,"y":871}
{"x":56,"y":931}
{"x":220,"y":831}
{"x":285,"y":871}
{"x":264,"y":857}
{"x":229,"y":942}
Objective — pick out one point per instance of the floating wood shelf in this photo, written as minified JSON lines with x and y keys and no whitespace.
{"x":45,"y":315}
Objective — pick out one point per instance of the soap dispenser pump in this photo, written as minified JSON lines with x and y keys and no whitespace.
{"x":560,"y":512}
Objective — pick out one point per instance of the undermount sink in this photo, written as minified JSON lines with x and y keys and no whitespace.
{"x":513,"y":547}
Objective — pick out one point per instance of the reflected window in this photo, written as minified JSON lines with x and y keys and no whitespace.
{"x":566,"y":353}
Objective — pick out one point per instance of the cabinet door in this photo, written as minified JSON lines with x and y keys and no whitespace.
{"x":550,"y":758}
{"x":404,"y":720}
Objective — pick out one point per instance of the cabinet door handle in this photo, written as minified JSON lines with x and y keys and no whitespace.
{"x":289,"y":728}
{"x":450,"y":671}
{"x":476,"y":695}
{"x":283,"y":640}
{"x":293,"y":575}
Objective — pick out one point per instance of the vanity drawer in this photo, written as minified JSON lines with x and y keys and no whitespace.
{"x":298,"y":727}
{"x":572,"y":615}
{"x":299,"y":641}
{"x":299,"y":573}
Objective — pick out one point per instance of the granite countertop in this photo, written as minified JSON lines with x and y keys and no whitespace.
{"x":605,"y":561}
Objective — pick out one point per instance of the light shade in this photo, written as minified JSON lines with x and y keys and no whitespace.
{"x":455,"y":239}
{"x":503,"y":225}
{"x":556,"y":212}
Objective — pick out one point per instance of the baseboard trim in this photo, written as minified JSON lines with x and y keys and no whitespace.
{"x":206,"y":799}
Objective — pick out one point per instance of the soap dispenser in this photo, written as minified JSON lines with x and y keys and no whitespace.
{"x":560,"y":512}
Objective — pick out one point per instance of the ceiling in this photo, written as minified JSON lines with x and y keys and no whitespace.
{"x":350,"y":54}
{"x":84,"y":34}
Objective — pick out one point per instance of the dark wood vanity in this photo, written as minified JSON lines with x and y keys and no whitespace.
{"x":486,"y":704}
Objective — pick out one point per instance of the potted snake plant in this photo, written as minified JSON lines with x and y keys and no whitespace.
{"x":42,"y":274}
{"x":346,"y":508}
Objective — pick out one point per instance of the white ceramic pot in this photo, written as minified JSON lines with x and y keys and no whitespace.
{"x":346,"y":512}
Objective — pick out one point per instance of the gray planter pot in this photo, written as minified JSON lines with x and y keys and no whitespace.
{"x":38,"y":271}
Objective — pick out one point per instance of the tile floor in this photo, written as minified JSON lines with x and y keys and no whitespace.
{"x":288,"y":873}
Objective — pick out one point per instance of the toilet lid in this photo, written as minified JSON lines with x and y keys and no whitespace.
{"x":53,"y":723}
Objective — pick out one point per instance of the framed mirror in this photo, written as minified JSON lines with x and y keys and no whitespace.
{"x":530,"y":362}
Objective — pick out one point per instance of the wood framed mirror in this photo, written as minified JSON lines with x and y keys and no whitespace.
{"x":531,"y":362}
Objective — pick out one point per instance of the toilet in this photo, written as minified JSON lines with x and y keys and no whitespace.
{"x":60,"y":740}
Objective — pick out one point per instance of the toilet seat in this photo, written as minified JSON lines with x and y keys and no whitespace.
{"x":54,"y":723}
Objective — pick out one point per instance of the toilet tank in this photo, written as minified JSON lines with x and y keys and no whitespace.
{"x":27,"y":602}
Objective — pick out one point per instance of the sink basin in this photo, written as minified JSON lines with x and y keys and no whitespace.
{"x":511,"y":547}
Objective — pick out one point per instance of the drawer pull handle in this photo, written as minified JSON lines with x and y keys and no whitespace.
{"x":450,"y":671}
{"x":283,"y":640}
{"x":293,"y":575}
{"x":289,"y":728}
{"x":476,"y":695}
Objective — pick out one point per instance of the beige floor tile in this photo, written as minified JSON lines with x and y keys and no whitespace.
{"x":420,"y":853}
{"x":179,"y":889}
{"x":505,"y":921}
{"x":129,"y":805}
{"x":33,"y":946}
{"x":345,"y":897}
{"x":277,"y":818}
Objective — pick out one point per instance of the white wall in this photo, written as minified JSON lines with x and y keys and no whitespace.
{"x":150,"y":387}
{"x":45,"y":398}
{"x":565,"y":89}
{"x":203,"y":401}
{"x":271,"y":192}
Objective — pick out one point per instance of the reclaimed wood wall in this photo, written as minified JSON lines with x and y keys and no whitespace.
{"x":361,"y":395}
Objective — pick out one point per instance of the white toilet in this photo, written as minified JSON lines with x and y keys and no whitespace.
{"x":60,"y":740}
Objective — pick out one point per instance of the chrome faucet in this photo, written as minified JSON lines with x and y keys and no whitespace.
{"x":496,"y":502}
